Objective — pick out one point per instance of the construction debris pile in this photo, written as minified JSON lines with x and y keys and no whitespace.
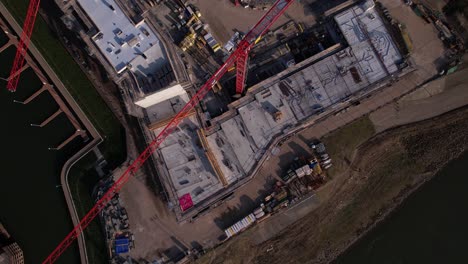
{"x":115,"y":224}
{"x":298,"y":183}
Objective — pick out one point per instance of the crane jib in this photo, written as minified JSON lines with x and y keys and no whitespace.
{"x":241,"y":52}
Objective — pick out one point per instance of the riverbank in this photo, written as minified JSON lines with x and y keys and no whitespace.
{"x":382,"y":172}
{"x":428,"y":227}
{"x":387,"y":168}
{"x":431,"y":167}
{"x":83,"y":119}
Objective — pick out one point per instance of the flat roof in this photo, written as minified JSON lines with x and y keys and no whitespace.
{"x":225,"y":155}
{"x":187,"y":164}
{"x":162,"y":95}
{"x":185,"y":161}
{"x":258,"y":116}
{"x":297,"y":97}
{"x":121,"y":41}
{"x":158,"y":110}
{"x":233,"y":148}
{"x":361,"y":25}
{"x":302,"y":94}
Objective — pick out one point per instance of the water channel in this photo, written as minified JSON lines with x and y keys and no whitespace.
{"x":32,"y":205}
{"x":431,"y":226}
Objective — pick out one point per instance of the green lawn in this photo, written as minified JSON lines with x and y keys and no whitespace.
{"x":82,"y":176}
{"x":341,"y":143}
{"x":82,"y":179}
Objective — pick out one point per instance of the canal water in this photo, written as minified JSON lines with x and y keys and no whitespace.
{"x":32,"y":205}
{"x":430,"y":227}
{"x":3,"y":38}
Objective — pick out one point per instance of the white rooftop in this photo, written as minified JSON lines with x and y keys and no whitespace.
{"x":176,"y":91}
{"x":121,"y":41}
{"x":160,"y":111}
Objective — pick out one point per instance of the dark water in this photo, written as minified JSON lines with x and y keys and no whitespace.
{"x":3,"y":39}
{"x":430,"y":227}
{"x":32,"y":207}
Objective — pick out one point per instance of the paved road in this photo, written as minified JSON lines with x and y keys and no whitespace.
{"x":435,"y":98}
{"x":275,"y":224}
{"x":80,"y":114}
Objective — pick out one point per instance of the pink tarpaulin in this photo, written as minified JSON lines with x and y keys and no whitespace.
{"x":185,"y":201}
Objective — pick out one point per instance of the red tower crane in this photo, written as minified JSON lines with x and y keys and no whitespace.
{"x":23,"y":45}
{"x":241,"y":54}
{"x":238,"y":56}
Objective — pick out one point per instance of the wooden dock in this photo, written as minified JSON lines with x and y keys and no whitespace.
{"x":63,"y":108}
{"x":50,"y":118}
{"x":68,"y":140}
{"x":18,"y":72}
{"x":35,"y":94}
{"x":8,"y":44}
{"x":46,"y":86}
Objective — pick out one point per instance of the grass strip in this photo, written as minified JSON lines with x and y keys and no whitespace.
{"x":341,"y":143}
{"x":82,"y":176}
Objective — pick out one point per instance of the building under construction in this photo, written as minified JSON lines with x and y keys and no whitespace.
{"x":205,"y":159}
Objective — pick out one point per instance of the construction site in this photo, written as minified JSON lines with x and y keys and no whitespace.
{"x":208,"y":157}
{"x":214,"y":109}
{"x":296,"y":73}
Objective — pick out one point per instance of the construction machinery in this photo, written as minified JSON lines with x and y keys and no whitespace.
{"x":188,"y":41}
{"x":239,"y":57}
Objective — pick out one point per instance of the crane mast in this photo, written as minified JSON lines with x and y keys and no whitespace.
{"x":254,"y":36}
{"x":23,"y":45}
{"x":243,"y":48}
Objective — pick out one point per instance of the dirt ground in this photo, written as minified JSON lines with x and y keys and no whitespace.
{"x":435,"y":4}
{"x":154,"y":225}
{"x":427,"y":47}
{"x":156,"y":231}
{"x":383,"y":171}
{"x":223,"y":17}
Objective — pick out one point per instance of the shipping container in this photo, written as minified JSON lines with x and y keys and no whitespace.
{"x":240,"y":226}
{"x":300,"y":172}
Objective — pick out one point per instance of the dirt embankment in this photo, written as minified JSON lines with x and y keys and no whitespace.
{"x":386,"y":168}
